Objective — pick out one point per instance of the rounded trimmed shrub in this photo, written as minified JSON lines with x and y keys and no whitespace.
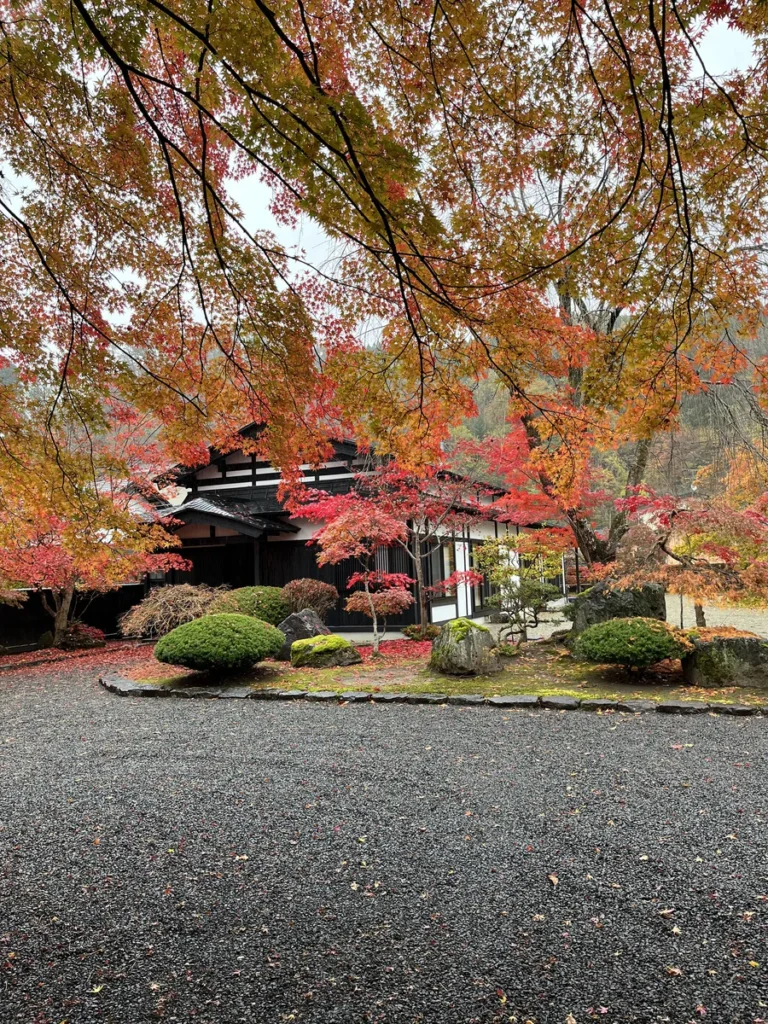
{"x":636,"y":642}
{"x":265,"y":603}
{"x":224,"y":643}
{"x":309,"y":593}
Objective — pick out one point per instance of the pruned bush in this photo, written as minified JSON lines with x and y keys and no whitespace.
{"x":265,"y":603}
{"x":78,"y":636}
{"x":636,"y":642}
{"x":425,"y":632}
{"x":223,"y":643}
{"x":309,"y":593}
{"x":165,"y":608}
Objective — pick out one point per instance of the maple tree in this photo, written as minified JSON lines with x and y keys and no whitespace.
{"x":383,"y":594}
{"x":702,"y":548}
{"x":356,"y":527}
{"x":420,"y":509}
{"x":70,"y":519}
{"x":553,"y":192}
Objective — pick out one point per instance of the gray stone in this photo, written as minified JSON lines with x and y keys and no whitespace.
{"x":321,"y":695}
{"x":467,"y":699}
{"x":598,"y":704}
{"x":300,"y":626}
{"x":127,"y":688}
{"x":267,"y":694}
{"x":355,"y":696}
{"x":560,"y":703}
{"x":464,"y":648}
{"x":388,"y":698}
{"x":515,"y":701}
{"x":208,"y":692}
{"x":292,"y":694}
{"x":426,"y":698}
{"x":727,"y":661}
{"x":682,"y":707}
{"x":637,"y":705}
{"x":236,"y":692}
{"x":599,"y":604}
{"x":733,"y":709}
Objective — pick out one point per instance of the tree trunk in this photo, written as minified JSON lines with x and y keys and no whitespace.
{"x":372,"y":606}
{"x":418,"y":567}
{"x":701,"y":619}
{"x":62,"y":603}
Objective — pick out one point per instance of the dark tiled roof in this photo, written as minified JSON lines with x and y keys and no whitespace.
{"x":251,"y":517}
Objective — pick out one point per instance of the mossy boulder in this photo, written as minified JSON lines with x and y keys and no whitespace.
{"x":219,"y":643}
{"x":726,"y":661}
{"x":465,"y":648}
{"x":301,"y":625}
{"x":324,"y":652}
{"x":601,"y":604}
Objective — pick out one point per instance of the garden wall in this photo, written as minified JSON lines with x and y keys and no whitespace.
{"x":21,"y":628}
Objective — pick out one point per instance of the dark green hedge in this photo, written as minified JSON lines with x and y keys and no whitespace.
{"x":224,"y":643}
{"x":637,"y":643}
{"x":265,"y":603}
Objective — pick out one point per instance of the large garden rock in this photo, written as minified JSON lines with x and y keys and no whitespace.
{"x":727,"y":661}
{"x":300,"y":626}
{"x":599,"y":604}
{"x":324,"y":652}
{"x":465,"y":648}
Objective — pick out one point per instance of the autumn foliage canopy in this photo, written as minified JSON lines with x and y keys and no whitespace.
{"x":561,"y":195}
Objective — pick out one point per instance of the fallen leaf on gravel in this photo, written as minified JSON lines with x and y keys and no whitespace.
{"x":676,"y":930}
{"x":570,"y":1019}
{"x":96,"y":989}
{"x":553,"y":878}
{"x":667,"y":912}
{"x":674,"y":972}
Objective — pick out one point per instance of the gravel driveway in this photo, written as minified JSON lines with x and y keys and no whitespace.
{"x":264,"y":862}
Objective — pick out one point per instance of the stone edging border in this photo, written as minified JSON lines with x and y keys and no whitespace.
{"x":129,"y":688}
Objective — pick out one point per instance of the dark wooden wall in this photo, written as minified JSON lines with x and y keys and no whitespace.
{"x":284,"y":561}
{"x":23,"y":627}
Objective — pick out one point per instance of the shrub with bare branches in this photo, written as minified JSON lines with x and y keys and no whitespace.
{"x":308,"y":593}
{"x":165,"y":608}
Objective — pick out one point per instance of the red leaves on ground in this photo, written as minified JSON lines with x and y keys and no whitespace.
{"x":399,"y":650}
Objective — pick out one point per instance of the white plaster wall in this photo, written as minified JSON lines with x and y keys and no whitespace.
{"x":443,"y":612}
{"x":307,"y":531}
{"x":463,"y":597}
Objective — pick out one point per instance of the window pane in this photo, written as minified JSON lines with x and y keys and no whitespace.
{"x":449,"y":564}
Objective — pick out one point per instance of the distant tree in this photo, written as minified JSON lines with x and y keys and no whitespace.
{"x":701,"y":548}
{"x":518,"y":567}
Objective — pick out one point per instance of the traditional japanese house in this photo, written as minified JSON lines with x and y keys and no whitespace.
{"x":235,"y":531}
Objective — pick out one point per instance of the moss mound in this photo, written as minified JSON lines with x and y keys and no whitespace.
{"x":266,"y":603}
{"x":323,"y":651}
{"x":636,"y":643}
{"x":224,"y":643}
{"x":461,"y":628}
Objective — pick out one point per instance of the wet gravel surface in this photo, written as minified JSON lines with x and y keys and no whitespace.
{"x":234,"y":861}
